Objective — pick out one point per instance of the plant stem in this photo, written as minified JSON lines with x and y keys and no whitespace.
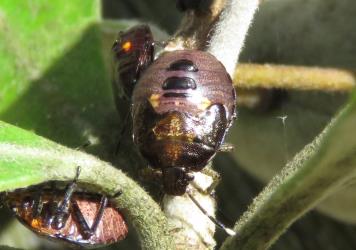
{"x":192,"y":228}
{"x":27,"y":159}
{"x":229,"y":32}
{"x":269,"y":76}
{"x":195,"y":27}
{"x":321,"y":168}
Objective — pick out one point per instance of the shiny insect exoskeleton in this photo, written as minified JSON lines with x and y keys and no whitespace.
{"x":76,"y":218}
{"x":183,"y":105}
{"x":133,"y":53}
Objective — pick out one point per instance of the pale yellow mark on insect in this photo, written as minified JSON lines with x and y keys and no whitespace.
{"x":172,"y":127}
{"x":154,"y":100}
{"x":175,"y":127}
{"x":174,"y":151}
{"x":204,"y":104}
{"x":175,"y":130}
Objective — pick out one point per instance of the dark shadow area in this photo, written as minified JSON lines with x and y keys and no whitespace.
{"x":161,"y":12}
{"x":295,"y":33}
{"x":5,"y":217}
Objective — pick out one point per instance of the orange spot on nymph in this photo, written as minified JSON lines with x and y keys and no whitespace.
{"x":35,"y":223}
{"x":127,"y":46}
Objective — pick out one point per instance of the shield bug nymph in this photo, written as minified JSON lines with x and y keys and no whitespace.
{"x":183,"y":105}
{"x":133,"y":53}
{"x":76,"y":218}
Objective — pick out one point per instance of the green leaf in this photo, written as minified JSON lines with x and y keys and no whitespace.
{"x":27,"y":159}
{"x":55,"y":83}
{"x":70,"y":98}
{"x":8,"y":248}
{"x":320,"y":169}
{"x":34,"y":34}
{"x":15,"y":172}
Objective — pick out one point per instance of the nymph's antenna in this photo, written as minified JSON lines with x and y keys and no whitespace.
{"x":215,"y":221}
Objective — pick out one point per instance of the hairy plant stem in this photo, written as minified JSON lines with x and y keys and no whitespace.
{"x":22,"y":151}
{"x":192,"y":228}
{"x":321,"y":168}
{"x":269,"y":76}
{"x":195,"y":27}
{"x":228,"y":35}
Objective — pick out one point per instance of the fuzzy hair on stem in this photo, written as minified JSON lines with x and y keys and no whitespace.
{"x":192,"y":228}
{"x":323,"y":167}
{"x":195,"y":27}
{"x":269,"y":76}
{"x":228,"y":34}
